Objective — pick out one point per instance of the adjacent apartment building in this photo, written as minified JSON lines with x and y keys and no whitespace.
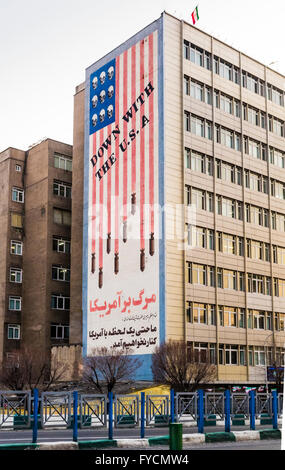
{"x":191,"y":123}
{"x":35,"y":241}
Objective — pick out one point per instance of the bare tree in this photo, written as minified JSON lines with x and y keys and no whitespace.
{"x":174,"y":365}
{"x":26,"y":370}
{"x":108,"y":368}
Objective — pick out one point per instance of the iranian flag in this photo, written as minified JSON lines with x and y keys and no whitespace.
{"x":195,"y":16}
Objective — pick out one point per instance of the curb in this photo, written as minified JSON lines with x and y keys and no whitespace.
{"x":212,"y":437}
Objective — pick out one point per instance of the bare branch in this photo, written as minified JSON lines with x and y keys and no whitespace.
{"x":172,"y":365}
{"x":106,"y":368}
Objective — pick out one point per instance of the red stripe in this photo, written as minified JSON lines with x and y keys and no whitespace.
{"x":101,"y":196}
{"x":125,"y":158}
{"x":134,"y":119}
{"x":151,"y":139}
{"x":117,"y":166}
{"x":109,"y":188}
{"x":94,"y":199}
{"x":142,"y":153}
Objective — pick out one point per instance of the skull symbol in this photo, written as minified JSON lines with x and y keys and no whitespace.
{"x":110,"y":111}
{"x":94,"y":101}
{"x":110,"y":91}
{"x":102,"y":115}
{"x":94,"y":119}
{"x":102,"y":96}
{"x":102,"y":77}
{"x":95,"y":82}
{"x":110,"y":72}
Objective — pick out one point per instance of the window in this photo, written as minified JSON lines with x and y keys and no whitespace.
{"x":226,"y":70}
{"x":256,"y":250}
{"x":277,"y":189}
{"x":259,"y":355}
{"x":242,"y":356}
{"x":220,"y":277}
{"x":211,"y":239}
{"x":226,"y":104}
{"x":229,"y":244}
{"x":253,"y":116}
{"x":199,"y":313}
{"x":240,"y":246}
{"x":14,"y":331}
{"x":18,"y":195}
{"x":16,"y":248}
{"x":279,"y":287}
{"x":61,"y":217}
{"x":201,"y":352}
{"x":229,"y":279}
{"x":228,"y":354}
{"x":227,"y":138}
{"x":186,"y":85}
{"x":280,"y":257}
{"x":198,"y":126}
{"x":255,"y":283}
{"x":197,"y":162}
{"x":187,"y":121}
{"x":196,"y":236}
{"x":257,"y":215}
{"x":259,"y":319}
{"x":280,"y":356}
{"x":63,"y":162}
{"x":59,"y":331}
{"x":60,"y":273}
{"x":242,"y":318}
{"x":253,"y":84}
{"x":197,"y":55}
{"x":228,"y":208}
{"x":231,"y":354}
{"x":212,"y":313}
{"x":199,"y":274}
{"x":230,"y":316}
{"x":61,"y":245}
{"x":277,"y":157}
{"x":189,"y":312}
{"x":276,"y":126}
{"x":16,"y":220}
{"x":281,"y":322}
{"x":196,"y":91}
{"x":16,"y":275}
{"x":250,"y":355}
{"x":269,"y":320}
{"x":256,"y":150}
{"x":59,"y":302}
{"x":15,"y":303}
{"x":275,"y":95}
{"x":62,"y":189}
{"x":18,"y":168}
{"x":278,"y":221}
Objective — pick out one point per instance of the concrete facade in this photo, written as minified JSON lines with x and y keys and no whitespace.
{"x":225,"y":157}
{"x":35,"y":226}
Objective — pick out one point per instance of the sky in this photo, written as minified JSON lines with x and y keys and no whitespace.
{"x":45,"y":47}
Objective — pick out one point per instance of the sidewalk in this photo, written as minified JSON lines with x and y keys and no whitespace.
{"x":193,"y":438}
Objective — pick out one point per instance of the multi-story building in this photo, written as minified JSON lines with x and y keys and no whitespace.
{"x":220,"y":128}
{"x":35,"y":234}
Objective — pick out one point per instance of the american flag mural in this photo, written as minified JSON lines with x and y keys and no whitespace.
{"x":123,"y":215}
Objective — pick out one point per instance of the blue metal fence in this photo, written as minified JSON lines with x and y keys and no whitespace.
{"x":199,"y":409}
